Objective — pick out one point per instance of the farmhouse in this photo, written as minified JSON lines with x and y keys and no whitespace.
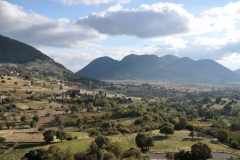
{"x":75,"y":90}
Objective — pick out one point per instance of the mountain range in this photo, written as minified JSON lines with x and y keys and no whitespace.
{"x":152,"y":67}
{"x":18,"y":56}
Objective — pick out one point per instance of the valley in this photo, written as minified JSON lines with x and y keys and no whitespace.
{"x":119,"y":110}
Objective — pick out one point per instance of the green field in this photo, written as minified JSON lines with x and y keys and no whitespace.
{"x":180,"y":140}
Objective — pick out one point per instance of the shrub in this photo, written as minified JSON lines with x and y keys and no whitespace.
{"x":94,"y":133}
{"x":234,"y":144}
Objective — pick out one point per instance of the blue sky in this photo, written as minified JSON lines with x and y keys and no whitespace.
{"x":74,"y":32}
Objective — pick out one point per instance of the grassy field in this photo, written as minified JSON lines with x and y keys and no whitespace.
{"x":180,"y":140}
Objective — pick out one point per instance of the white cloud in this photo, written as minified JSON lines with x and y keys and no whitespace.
{"x":231,"y":61}
{"x":38,"y":30}
{"x":147,"y":21}
{"x":87,"y":2}
{"x":217,"y":19}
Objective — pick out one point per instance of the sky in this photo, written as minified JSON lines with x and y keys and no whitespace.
{"x":75,"y":32}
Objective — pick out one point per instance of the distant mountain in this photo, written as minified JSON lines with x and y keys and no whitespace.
{"x":237,"y":71}
{"x":26,"y":60}
{"x":152,"y":67}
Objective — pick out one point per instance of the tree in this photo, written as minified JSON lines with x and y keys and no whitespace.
{"x":182,"y":123}
{"x":73,"y":95}
{"x":167,"y":130}
{"x":146,"y":118}
{"x":132,"y":153}
{"x":2,"y":139}
{"x":144,"y":140}
{"x":227,"y":108}
{"x":36,"y":118}
{"x":8,"y":124}
{"x":23,"y":118}
{"x":49,"y":135}
{"x":61,"y":135}
{"x":183,"y":155}
{"x":192,"y":134}
{"x":33,"y":124}
{"x":101,"y":141}
{"x":222,"y":136}
{"x":41,"y":129}
{"x":52,"y":153}
{"x":218,"y":100}
{"x":105,"y":125}
{"x":115,"y":148}
{"x":201,"y":151}
{"x":13,"y":124}
{"x":94,"y":133}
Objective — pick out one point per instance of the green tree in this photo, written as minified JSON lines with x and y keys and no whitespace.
{"x":222,"y":136}
{"x":8,"y":124}
{"x":23,"y":118}
{"x":94,"y":133}
{"x":101,"y":141}
{"x":201,"y":151}
{"x":183,"y":155}
{"x":36,"y":118}
{"x":49,"y":135}
{"x":144,"y":141}
{"x":61,"y":135}
{"x":218,"y":100}
{"x":2,"y":139}
{"x":146,"y":118}
{"x":132,"y":153}
{"x":167,"y":130}
{"x":52,"y":153}
{"x":115,"y":148}
{"x":13,"y":124}
{"x":227,"y":108}
{"x":182,"y":123}
{"x":72,"y":95}
{"x":191,"y":134}
{"x":105,"y":125}
{"x":33,"y":124}
{"x":41,"y":129}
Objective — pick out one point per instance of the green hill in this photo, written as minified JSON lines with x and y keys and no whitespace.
{"x":17,"y":57}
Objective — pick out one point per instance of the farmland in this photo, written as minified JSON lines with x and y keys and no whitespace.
{"x":119,"y":112}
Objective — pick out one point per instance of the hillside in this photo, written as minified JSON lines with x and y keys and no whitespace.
{"x":152,"y":67}
{"x":19,"y":58}
{"x":237,"y":71}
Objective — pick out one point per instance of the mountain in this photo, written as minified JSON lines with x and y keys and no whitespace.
{"x":237,"y":71}
{"x":152,"y":67}
{"x":24,"y":59}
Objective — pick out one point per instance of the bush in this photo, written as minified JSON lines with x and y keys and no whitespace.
{"x":69,"y":137}
{"x":234,"y":144}
{"x":190,"y":127}
{"x":94,"y":133}
{"x":113,"y":133}
{"x":2,"y":139}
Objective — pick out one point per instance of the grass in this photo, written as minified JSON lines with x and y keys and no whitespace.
{"x":180,"y":140}
{"x":80,"y":135}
